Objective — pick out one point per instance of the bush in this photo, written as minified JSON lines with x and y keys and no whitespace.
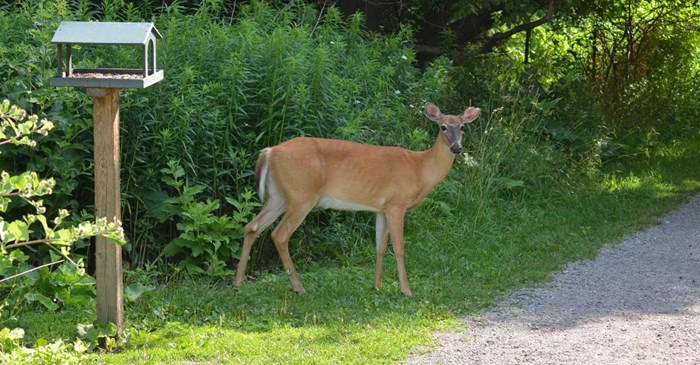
{"x":232,"y":86}
{"x":237,"y":80}
{"x":23,"y":282}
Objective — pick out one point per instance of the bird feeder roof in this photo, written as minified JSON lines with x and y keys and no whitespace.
{"x":107,"y":33}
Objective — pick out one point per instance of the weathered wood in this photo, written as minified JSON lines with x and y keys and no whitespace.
{"x":97,"y":92}
{"x":69,"y":60}
{"x":59,"y":57}
{"x":108,"y":255}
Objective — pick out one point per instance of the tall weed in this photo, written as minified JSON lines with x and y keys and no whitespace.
{"x":240,"y":79}
{"x":233,"y":85}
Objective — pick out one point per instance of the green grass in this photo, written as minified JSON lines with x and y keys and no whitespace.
{"x":458,"y":263}
{"x":267,"y":323}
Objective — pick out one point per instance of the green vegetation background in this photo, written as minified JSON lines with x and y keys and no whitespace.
{"x":559,"y":164}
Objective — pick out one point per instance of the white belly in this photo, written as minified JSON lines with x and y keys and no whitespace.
{"x":329,"y":202}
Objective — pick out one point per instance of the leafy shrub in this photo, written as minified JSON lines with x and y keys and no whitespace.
{"x":233,"y":85}
{"x":22,"y":282}
{"x":240,"y":79}
{"x":13,"y":352}
{"x":205,"y":238}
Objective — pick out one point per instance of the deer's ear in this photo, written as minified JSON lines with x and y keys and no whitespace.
{"x":433,"y":112}
{"x":470,"y":114}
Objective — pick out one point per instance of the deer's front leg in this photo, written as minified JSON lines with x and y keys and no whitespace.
{"x":395,"y":222}
{"x":381,"y":237}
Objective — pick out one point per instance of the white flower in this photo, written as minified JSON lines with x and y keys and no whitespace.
{"x":403,"y":57}
{"x":397,"y":92}
{"x":470,"y":161}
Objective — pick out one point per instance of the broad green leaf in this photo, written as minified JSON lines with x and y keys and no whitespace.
{"x":45,"y":301}
{"x":135,"y":290}
{"x":174,"y":247}
{"x":18,"y":231}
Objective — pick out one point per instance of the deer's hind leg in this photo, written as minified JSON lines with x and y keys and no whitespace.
{"x":273,"y":208}
{"x":280,"y":236}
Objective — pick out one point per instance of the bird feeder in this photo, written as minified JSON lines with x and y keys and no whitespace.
{"x":103,"y":85}
{"x":142,"y":35}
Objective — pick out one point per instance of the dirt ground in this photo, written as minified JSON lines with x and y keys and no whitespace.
{"x":637,"y":303}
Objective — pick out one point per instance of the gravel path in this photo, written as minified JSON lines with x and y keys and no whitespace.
{"x":636,"y":303}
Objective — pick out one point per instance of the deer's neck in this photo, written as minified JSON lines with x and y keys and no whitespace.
{"x":438,"y":161}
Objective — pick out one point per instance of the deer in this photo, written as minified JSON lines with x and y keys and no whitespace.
{"x":304,"y":173}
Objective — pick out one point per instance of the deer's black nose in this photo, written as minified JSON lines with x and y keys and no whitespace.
{"x":455,"y":149}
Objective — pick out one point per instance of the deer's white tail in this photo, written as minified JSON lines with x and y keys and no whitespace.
{"x":261,"y":172}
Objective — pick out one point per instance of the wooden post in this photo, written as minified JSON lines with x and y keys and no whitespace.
{"x":108,"y":255}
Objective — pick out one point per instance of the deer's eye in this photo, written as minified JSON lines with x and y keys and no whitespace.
{"x":443,"y":127}
{"x":462,"y":127}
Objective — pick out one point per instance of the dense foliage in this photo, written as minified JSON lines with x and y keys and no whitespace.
{"x":597,"y":84}
{"x":239,"y":79}
{"x":24,"y":283}
{"x":283,"y":74}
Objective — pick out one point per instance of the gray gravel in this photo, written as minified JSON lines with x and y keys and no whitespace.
{"x":637,"y":303}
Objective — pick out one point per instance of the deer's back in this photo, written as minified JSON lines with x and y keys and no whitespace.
{"x":348,"y":172}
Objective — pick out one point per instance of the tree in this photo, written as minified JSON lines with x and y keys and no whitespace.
{"x":460,"y":22}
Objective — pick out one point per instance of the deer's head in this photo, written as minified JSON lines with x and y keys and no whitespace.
{"x":452,"y":126}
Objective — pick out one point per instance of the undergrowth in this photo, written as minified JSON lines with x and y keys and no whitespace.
{"x":546,"y":178}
